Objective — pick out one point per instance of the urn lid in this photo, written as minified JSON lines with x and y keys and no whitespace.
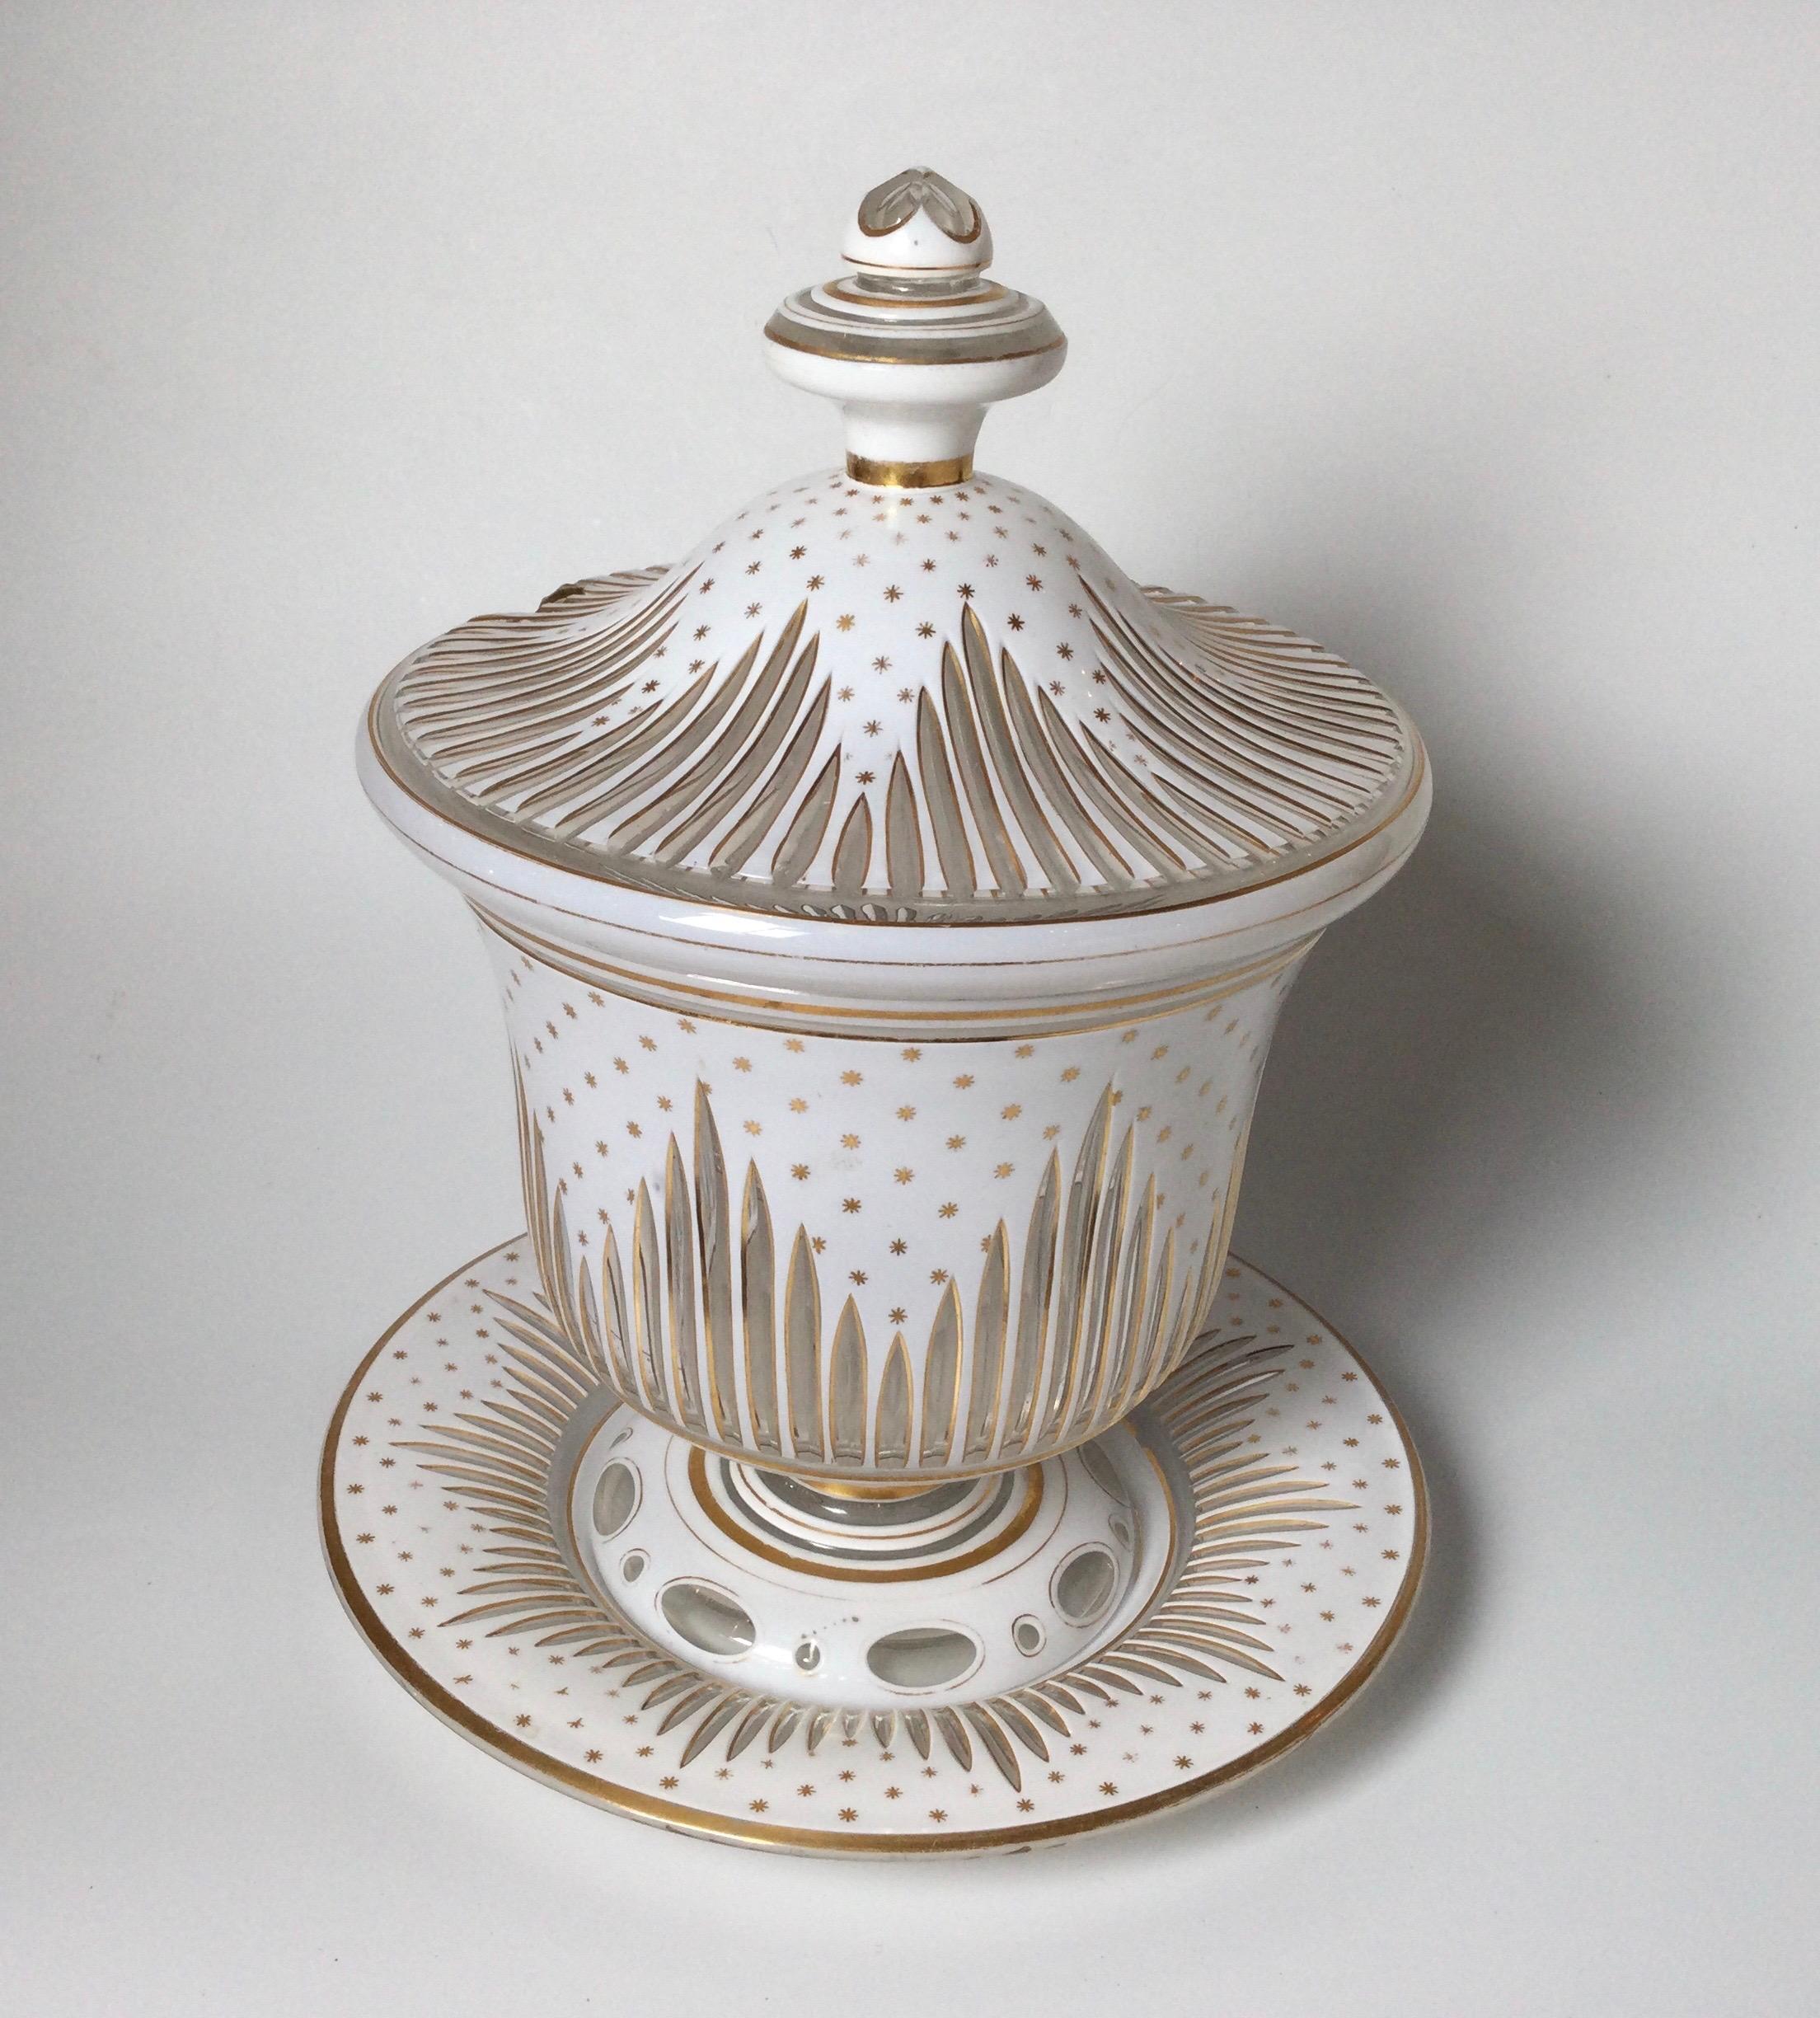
{"x":900,"y":691}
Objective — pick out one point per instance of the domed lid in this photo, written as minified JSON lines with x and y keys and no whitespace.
{"x":899,"y":690}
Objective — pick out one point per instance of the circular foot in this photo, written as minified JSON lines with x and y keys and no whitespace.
{"x":981,"y":1665}
{"x":941,"y":1597}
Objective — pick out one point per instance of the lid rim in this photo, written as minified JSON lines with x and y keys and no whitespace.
{"x":1410,"y":809}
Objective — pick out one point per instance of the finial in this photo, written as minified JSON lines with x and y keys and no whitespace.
{"x":917,"y":224}
{"x":917,"y":297}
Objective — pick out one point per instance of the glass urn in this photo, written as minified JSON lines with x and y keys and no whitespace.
{"x":891,"y":904}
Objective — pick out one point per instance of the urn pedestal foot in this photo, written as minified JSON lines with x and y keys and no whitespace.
{"x":983,"y":1664}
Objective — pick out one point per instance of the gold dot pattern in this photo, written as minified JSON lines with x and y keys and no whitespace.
{"x":913,"y":1163}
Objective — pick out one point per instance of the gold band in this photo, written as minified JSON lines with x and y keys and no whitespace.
{"x":847,"y":1572}
{"x":910,"y":476}
{"x":868,"y":1488}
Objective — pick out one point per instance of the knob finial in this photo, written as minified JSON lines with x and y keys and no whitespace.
{"x":918,"y":222}
{"x":915,"y":343}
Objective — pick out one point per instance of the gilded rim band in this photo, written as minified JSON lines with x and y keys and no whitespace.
{"x":910,"y":476}
{"x":846,"y":1572}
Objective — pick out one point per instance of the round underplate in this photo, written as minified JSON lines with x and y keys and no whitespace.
{"x":450,"y":1460}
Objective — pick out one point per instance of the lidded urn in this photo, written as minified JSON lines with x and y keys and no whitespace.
{"x":891,"y":902}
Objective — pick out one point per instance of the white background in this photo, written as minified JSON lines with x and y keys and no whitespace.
{"x":1477,"y":340}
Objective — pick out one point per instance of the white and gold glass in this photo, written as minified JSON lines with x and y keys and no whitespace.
{"x":870,"y":1446}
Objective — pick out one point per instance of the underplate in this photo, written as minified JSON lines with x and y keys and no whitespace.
{"x":1281,"y":1527}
